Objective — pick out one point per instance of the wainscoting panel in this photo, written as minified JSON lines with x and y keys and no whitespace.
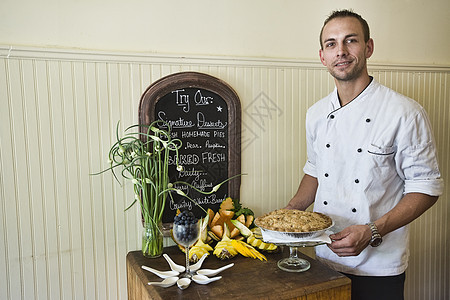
{"x":64,"y":233}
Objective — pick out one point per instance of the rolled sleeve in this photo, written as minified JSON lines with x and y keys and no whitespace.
{"x":310,"y":169}
{"x":432,"y":187}
{"x":418,"y":165}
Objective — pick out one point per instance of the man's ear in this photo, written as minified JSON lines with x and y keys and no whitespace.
{"x":369,"y":48}
{"x":321,"y":57}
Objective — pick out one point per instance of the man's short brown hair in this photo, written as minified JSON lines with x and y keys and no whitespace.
{"x":346,"y":13}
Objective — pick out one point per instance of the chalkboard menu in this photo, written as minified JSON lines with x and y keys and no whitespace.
{"x":204,"y":113}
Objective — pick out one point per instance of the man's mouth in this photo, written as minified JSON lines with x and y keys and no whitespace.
{"x":342,"y":63}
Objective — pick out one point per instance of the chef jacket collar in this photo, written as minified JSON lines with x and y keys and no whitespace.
{"x":336,"y":103}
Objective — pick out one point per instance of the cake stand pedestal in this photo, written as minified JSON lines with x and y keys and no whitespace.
{"x":294,"y":263}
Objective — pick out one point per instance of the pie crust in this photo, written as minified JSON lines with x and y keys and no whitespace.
{"x":292,"y":220}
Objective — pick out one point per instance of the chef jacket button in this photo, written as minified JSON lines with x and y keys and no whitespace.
{"x":327,"y":145}
{"x":331,"y":116}
{"x":359,"y":150}
{"x":326,"y":175}
{"x":356,"y":180}
{"x":325,"y":203}
{"x":367,"y":120}
{"x":354,"y":210}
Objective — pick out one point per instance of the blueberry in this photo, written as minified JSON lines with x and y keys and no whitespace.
{"x":188,"y":229}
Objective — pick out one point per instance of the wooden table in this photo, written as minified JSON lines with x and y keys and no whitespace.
{"x":247,"y":279}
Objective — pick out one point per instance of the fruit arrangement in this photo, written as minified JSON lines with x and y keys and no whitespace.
{"x":228,"y":232}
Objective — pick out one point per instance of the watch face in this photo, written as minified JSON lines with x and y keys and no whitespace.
{"x":376,"y":242}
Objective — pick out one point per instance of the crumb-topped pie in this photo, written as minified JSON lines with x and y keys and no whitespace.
{"x":292,"y":220}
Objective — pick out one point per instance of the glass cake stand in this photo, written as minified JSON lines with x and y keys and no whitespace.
{"x":293,"y":240}
{"x":294,"y":263}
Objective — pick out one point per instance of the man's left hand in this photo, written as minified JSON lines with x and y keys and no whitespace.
{"x":351,"y":241}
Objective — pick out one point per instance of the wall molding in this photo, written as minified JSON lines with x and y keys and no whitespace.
{"x":63,"y":54}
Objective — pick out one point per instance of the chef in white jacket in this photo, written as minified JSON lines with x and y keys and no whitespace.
{"x":371,"y":165}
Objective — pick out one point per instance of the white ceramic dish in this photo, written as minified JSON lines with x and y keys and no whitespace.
{"x":162,"y":274}
{"x":198,"y":264}
{"x":169,"y":281}
{"x":202,"y":279}
{"x":211,"y":272}
{"x":183,"y":283}
{"x":174,"y":266}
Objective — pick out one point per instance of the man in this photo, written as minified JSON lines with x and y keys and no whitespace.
{"x":371,"y":165}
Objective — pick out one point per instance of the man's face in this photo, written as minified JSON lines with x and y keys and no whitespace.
{"x":344,"y":51}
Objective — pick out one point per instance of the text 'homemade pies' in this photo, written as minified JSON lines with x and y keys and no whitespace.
{"x":292,"y":220}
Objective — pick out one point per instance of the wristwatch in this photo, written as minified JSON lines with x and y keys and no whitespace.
{"x":376,"y":239}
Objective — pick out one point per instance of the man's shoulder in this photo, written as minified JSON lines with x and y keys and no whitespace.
{"x":324,"y":103}
{"x":395,"y":98}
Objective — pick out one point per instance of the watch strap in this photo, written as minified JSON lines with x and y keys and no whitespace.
{"x":376,"y":236}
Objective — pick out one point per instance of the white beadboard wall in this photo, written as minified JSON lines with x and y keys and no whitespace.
{"x":64,"y":234}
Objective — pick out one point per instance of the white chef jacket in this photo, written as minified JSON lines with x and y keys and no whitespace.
{"x":366,"y":155}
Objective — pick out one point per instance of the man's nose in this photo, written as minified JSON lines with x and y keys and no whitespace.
{"x":342,"y":50}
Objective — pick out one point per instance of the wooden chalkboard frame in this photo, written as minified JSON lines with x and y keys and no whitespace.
{"x":167,"y":84}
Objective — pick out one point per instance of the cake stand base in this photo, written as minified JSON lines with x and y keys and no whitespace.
{"x":293,"y":263}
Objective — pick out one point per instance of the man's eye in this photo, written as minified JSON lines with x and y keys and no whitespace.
{"x":329,"y":45}
{"x":350,"y":41}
